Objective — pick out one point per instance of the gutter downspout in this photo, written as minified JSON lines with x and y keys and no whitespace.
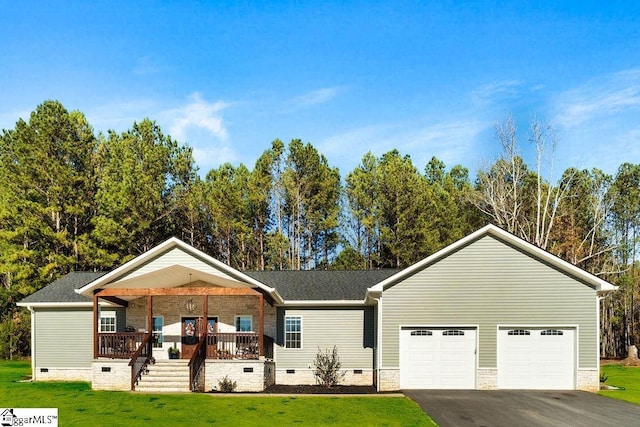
{"x":33,"y":343}
{"x":378,"y":301}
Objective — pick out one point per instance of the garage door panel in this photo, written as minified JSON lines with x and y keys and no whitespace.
{"x":540,"y":359}
{"x":437,"y":358}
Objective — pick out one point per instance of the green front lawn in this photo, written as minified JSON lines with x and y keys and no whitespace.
{"x":79,"y":405}
{"x":623,"y":376}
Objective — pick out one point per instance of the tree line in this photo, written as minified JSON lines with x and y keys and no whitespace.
{"x":73,"y":199}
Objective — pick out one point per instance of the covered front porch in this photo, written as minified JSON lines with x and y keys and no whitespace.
{"x":198,"y":323}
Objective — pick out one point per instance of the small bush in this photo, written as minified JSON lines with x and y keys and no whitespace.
{"x":603,"y":377}
{"x":327,"y":368}
{"x":225,"y":385}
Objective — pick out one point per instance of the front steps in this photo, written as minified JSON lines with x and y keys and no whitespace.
{"x":165,"y":376}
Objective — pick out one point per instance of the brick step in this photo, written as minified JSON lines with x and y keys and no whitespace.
{"x":165,"y":377}
{"x":161,"y":368}
{"x":144,"y":389}
{"x":175,"y":364}
{"x":169,"y":372}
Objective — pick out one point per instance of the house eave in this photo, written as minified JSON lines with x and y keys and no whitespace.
{"x":323,"y":303}
{"x":53,"y":304}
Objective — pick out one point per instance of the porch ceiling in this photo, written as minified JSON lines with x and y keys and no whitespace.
{"x":175,"y":276}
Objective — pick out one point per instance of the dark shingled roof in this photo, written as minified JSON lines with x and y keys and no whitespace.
{"x":321,"y":285}
{"x":306,"y":285}
{"x":63,"y":289}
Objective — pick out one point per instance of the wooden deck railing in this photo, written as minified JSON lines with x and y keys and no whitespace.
{"x":140,"y":359}
{"x":233,"y":345}
{"x":119,"y":345}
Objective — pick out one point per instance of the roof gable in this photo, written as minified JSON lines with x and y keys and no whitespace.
{"x":509,"y":239}
{"x":171,"y":264}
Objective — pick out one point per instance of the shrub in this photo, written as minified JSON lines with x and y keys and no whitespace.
{"x":225,"y":385}
{"x":603,"y":377}
{"x":327,"y":368}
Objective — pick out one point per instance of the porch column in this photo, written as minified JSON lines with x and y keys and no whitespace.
{"x":149,"y":314}
{"x":96,"y":325}
{"x":261,"y":327}
{"x":205,"y":314}
{"x":149,"y":323}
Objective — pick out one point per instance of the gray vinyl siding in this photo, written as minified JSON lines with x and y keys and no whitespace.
{"x":63,"y":338}
{"x":175,"y":256}
{"x":351,"y":330}
{"x":490,"y":283}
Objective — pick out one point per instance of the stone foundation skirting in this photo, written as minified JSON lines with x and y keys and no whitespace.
{"x":111,"y":374}
{"x":249,"y":375}
{"x":389,"y":379}
{"x":588,"y":379}
{"x":487,"y":379}
{"x":61,"y":374}
{"x":301,"y":376}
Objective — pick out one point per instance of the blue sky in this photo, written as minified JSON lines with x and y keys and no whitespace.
{"x":428,"y":78}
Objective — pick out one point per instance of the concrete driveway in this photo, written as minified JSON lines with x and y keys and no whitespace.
{"x":524,"y":408}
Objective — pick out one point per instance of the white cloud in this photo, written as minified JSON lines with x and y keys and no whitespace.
{"x":452,"y":140}
{"x":599,"y":147}
{"x":312,"y":98}
{"x":209,"y":157}
{"x":120,"y":116}
{"x":197,"y":114}
{"x":598,"y":122}
{"x":490,"y":92}
{"x":600,"y":98}
{"x":197,"y":122}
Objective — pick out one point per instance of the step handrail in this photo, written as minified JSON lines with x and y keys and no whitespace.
{"x":137,"y":368}
{"x":197,"y":362}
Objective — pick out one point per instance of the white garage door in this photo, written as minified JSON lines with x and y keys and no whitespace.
{"x":437,"y":358}
{"x":536,"y":358}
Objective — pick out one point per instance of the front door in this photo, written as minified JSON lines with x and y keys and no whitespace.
{"x":192,"y":331}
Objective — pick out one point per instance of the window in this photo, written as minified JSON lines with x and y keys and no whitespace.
{"x":107,"y":321}
{"x":519,"y":332}
{"x":454,"y":332}
{"x":552,"y":332}
{"x":212,"y":325}
{"x":243,"y":324}
{"x":293,"y":332}
{"x":158,"y":323}
{"x":422,"y":333}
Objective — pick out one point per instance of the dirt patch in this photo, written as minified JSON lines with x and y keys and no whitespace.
{"x":316,"y":389}
{"x":624,"y":362}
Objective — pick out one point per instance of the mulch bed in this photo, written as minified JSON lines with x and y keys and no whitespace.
{"x":316,"y":389}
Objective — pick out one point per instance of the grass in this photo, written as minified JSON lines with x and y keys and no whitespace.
{"x":79,"y":405}
{"x":623,"y":376}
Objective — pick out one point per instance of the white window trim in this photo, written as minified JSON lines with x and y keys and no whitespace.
{"x":285,"y":332}
{"x":161,"y":331}
{"x":108,"y":314}
{"x":235,"y":321}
